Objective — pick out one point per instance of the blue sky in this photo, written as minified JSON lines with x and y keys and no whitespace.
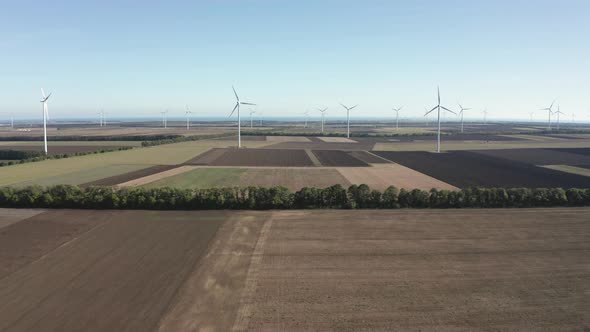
{"x":135,"y":58}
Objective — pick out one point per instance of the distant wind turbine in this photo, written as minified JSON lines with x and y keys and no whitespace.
{"x":237,"y":107}
{"x":348,"y":118}
{"x":260,"y":119}
{"x":549,"y":112}
{"x":485,"y":116}
{"x":45,"y":116}
{"x":251,"y":119}
{"x":461,"y":111}
{"x":187,"y":112}
{"x":396,"y":110}
{"x":558,"y":112}
{"x":438,"y":107}
{"x":165,"y":118}
{"x":531,"y":114}
{"x":11,"y":120}
{"x":323,"y":111}
{"x":306,"y":114}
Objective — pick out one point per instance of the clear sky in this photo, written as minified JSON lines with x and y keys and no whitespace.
{"x":135,"y":58}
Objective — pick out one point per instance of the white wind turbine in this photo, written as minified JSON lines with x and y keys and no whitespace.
{"x":165,"y":118}
{"x":396,"y":110}
{"x":485,"y":116}
{"x":260,"y":119}
{"x":461,"y":111}
{"x":558,"y":112}
{"x":531,"y":114}
{"x":187,"y":112}
{"x":45,"y":117}
{"x":252,"y":112}
{"x":238,"y":103}
{"x":306,"y":114}
{"x":323,"y":111}
{"x":549,"y":112}
{"x":11,"y":120}
{"x":348,"y":118}
{"x":438,"y":107}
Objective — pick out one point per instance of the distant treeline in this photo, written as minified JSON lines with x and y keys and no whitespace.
{"x":259,"y":198}
{"x":39,"y":156}
{"x":180,"y":139}
{"x":17,"y":154}
{"x":92,"y":138}
{"x":330,"y":134}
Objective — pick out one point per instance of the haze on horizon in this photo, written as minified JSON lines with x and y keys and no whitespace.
{"x":134,"y":59}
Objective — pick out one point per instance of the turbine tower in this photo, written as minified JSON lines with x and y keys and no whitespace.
{"x":485,"y":116}
{"x":323,"y":111}
{"x":549,"y":112}
{"x":348,"y":118}
{"x":100,"y":118}
{"x":238,"y":103}
{"x":438,"y":107}
{"x":45,"y":116}
{"x":558,"y":112}
{"x":306,"y":114}
{"x":462,"y":109}
{"x":187,"y":112}
{"x":165,"y":118}
{"x":531,"y":114}
{"x":12,"y":120}
{"x":396,"y":110}
{"x":251,"y":119}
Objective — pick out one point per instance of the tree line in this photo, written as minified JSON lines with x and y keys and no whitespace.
{"x":180,"y":139}
{"x":261,"y":198}
{"x":39,"y":156}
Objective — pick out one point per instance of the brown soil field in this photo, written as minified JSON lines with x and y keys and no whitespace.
{"x":328,"y":270}
{"x":262,"y":157}
{"x":287,"y":139}
{"x":338,"y":158}
{"x":381,"y":176}
{"x":539,"y":156}
{"x":140,"y":181}
{"x":122,"y":274}
{"x":365,"y":145}
{"x":368,"y":157}
{"x":59,"y":149}
{"x":11,"y":216}
{"x":294,"y":179}
{"x":206,"y":157}
{"x":117,"y":179}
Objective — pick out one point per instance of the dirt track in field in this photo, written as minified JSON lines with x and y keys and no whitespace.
{"x":381,"y":176}
{"x":11,"y":216}
{"x":120,"y":275}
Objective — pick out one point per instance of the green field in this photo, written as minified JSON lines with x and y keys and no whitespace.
{"x":78,"y":170}
{"x":202,"y":178}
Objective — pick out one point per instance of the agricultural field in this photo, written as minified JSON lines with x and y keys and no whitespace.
{"x":115,"y":130}
{"x":469,"y":169}
{"x":473,"y":269}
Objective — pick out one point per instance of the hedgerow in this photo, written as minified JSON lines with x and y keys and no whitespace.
{"x":38,"y":156}
{"x":260,"y":198}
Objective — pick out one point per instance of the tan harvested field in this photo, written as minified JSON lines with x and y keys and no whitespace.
{"x":280,"y":139}
{"x":570,"y":169}
{"x":428,"y":270}
{"x":337,"y":140}
{"x":381,"y":176}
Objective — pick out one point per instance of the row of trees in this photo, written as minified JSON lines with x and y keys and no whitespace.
{"x":18,"y":154}
{"x":41,"y":156}
{"x":259,"y":198}
{"x":93,"y":138}
{"x":331,"y":134}
{"x":179,"y":139}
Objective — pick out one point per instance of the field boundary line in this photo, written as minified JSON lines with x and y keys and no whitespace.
{"x":316,"y":162}
{"x":245,"y":308}
{"x":387,"y":160}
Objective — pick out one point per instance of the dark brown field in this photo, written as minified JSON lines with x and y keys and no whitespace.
{"x":117,"y":179}
{"x":338,"y":159}
{"x":262,"y":157}
{"x":428,"y":270}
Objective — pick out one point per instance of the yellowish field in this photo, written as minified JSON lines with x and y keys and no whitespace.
{"x":280,"y":139}
{"x":381,"y":176}
{"x":337,"y":140}
{"x":75,"y":168}
{"x":570,"y":169}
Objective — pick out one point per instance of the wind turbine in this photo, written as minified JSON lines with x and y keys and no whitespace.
{"x":396,"y":110}
{"x":260,"y":118}
{"x":100,"y":118}
{"x":45,"y":116}
{"x":461,"y":113}
{"x":531,"y":114}
{"x":485,"y":116}
{"x":251,"y":120}
{"x":438,"y":107}
{"x":11,"y":120}
{"x":238,"y":103}
{"x":549,"y":112}
{"x":306,"y":113}
{"x":323,"y":111}
{"x":187,"y":112}
{"x":164,"y":118}
{"x":558,"y":112}
{"x":348,"y":118}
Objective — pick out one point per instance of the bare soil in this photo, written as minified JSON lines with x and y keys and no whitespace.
{"x":207,"y":157}
{"x":338,"y":158}
{"x":368,"y":157}
{"x":381,"y":176}
{"x":122,"y":178}
{"x":540,"y":156}
{"x":292,"y":178}
{"x":140,"y":181}
{"x":262,"y":157}
{"x":120,"y":275}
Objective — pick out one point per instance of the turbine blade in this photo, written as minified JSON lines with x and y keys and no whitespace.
{"x":247,"y":103}
{"x":235,"y":93}
{"x":434,"y":108}
{"x":438,"y":91}
{"x":232,"y":112}
{"x":448,"y":110}
{"x":353,"y":107}
{"x":42,"y":93}
{"x":343,"y":105}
